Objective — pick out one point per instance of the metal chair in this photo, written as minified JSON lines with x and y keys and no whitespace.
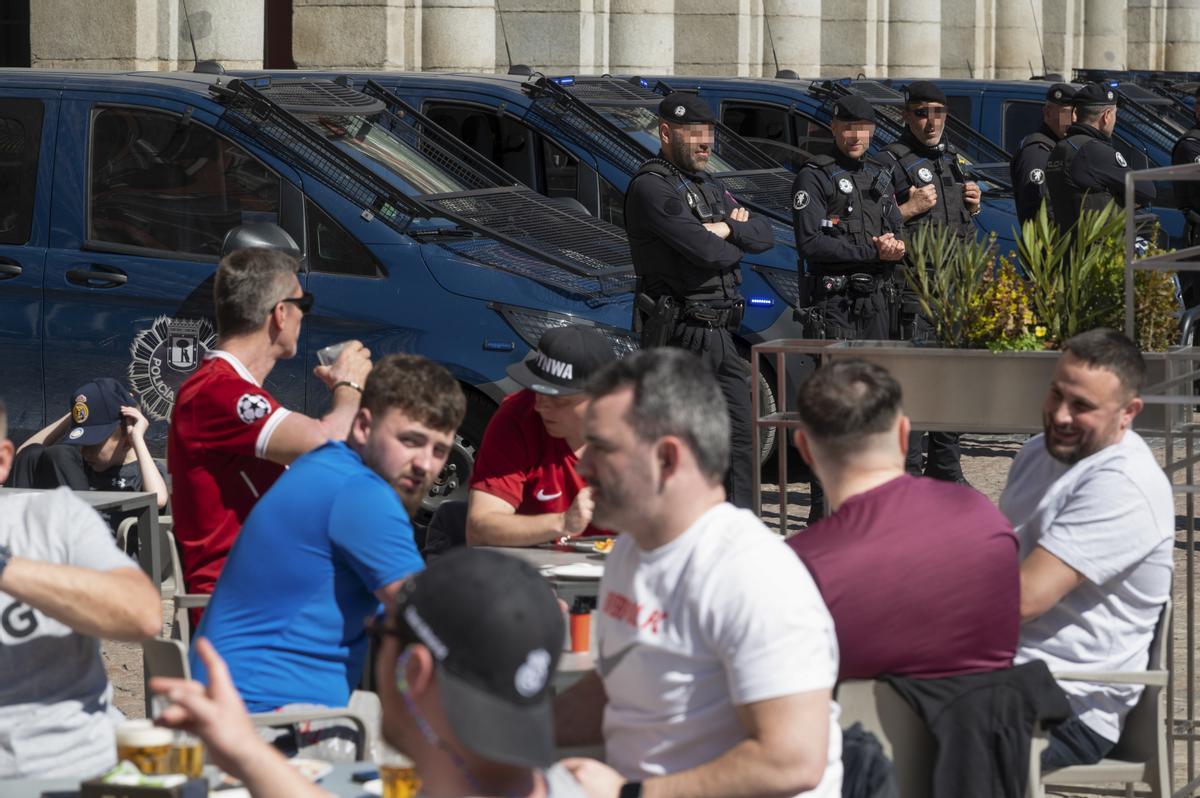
{"x":1143,"y":753}
{"x":166,"y":657}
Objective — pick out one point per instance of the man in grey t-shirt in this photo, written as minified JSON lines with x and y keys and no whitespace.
{"x":63,"y":584}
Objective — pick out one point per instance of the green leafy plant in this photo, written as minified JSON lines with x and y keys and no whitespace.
{"x":1002,"y":319}
{"x":946,"y":274}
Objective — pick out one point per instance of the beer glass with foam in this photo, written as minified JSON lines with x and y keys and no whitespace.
{"x":147,"y":746}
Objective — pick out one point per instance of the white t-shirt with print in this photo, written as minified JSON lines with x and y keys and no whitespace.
{"x":1111,"y":517}
{"x":724,"y":615}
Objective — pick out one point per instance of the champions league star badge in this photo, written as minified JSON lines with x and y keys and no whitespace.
{"x":165,"y":355}
{"x":845,"y":186}
{"x":1037,"y":176}
{"x":800,"y":201}
{"x":925,"y":175}
{"x":1121,"y":161}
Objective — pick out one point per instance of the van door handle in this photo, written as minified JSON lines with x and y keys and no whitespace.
{"x":9,"y":269}
{"x":101,"y":278}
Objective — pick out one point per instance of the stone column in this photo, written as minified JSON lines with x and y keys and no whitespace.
{"x":371,"y":34}
{"x":966,"y":45}
{"x":458,"y":35}
{"x":228,"y":31}
{"x":914,"y":38}
{"x":103,"y":34}
{"x":553,"y":36}
{"x":1183,"y":34}
{"x":1018,"y":53}
{"x":712,"y":37}
{"x":795,"y":29}
{"x":1146,"y":20}
{"x":1104,"y":34}
{"x":851,"y":39}
{"x":600,"y":13}
{"x":1060,"y":35}
{"x":641,"y":36}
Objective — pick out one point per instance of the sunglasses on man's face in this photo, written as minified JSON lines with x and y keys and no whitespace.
{"x":926,"y":111}
{"x":304,"y":301}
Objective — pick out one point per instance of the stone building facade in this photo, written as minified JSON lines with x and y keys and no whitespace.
{"x":951,"y":38}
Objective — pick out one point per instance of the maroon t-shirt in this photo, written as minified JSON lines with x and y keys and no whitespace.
{"x":921,"y":577}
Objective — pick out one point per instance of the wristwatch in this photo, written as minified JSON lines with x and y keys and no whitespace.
{"x":630,"y":789}
{"x":6,"y":554}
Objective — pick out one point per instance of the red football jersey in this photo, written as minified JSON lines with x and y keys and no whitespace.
{"x":519,"y":462}
{"x":216,"y":447}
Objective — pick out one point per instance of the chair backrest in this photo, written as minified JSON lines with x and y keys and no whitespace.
{"x":162,"y":657}
{"x":901,"y":731}
{"x":1145,"y":725}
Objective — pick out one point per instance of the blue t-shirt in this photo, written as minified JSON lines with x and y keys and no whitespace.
{"x":287,"y":613}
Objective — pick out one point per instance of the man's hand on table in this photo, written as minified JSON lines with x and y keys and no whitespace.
{"x":579,"y":514}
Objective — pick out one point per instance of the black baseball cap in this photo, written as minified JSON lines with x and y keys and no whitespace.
{"x":923,"y":91}
{"x":1095,"y":94}
{"x":495,"y":630}
{"x":685,"y":108}
{"x":566,"y":357}
{"x":1061,"y":94}
{"x":96,"y":411}
{"x":854,"y":108}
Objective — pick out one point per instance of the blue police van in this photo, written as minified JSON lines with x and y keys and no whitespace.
{"x":783,"y":114}
{"x":1009,"y":110}
{"x":121,"y":187}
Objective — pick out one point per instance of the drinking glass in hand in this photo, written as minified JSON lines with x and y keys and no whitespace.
{"x":330,"y":353}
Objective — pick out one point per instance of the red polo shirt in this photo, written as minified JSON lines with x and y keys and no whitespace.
{"x":522,"y":464}
{"x":216,"y":450}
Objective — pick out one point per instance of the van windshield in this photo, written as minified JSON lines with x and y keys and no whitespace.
{"x":381,"y":146}
{"x":641,"y":124}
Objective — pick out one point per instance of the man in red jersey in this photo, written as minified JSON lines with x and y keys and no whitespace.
{"x":229,"y":439}
{"x":524,"y":487}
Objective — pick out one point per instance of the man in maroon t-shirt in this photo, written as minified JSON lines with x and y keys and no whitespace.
{"x":524,"y":486}
{"x":921,"y":576}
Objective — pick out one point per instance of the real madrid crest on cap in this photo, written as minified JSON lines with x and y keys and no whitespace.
{"x":845,"y":186}
{"x":800,"y":201}
{"x":1121,"y":161}
{"x":925,"y":175}
{"x":1037,"y":176}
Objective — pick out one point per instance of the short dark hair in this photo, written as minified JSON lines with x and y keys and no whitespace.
{"x":674,"y":393}
{"x":1089,"y":114}
{"x":1108,"y":349}
{"x":845,"y":401}
{"x":416,"y":386}
{"x":249,"y":283}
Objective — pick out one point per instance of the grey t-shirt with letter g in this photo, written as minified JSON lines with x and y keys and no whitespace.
{"x":56,"y":712}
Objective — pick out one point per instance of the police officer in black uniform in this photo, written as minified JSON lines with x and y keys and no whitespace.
{"x":1187,"y":194}
{"x":931,"y":188}
{"x":846,"y":222}
{"x":1084,"y":169}
{"x":1028,"y":165}
{"x":687,"y":235}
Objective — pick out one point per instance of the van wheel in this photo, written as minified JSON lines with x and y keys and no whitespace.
{"x":451,"y":484}
{"x":766,"y":392}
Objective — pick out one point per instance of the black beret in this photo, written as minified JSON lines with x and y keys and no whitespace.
{"x":685,"y":108}
{"x":1095,"y":94}
{"x":924,"y":92}
{"x":854,"y":108}
{"x":1061,"y":94}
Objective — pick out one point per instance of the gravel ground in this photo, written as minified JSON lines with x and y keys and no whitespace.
{"x":986,"y":459}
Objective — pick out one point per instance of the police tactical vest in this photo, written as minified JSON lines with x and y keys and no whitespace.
{"x":1187,"y":192}
{"x":1039,"y":139}
{"x":946,"y":173}
{"x":855,"y":208}
{"x":1067,"y":197}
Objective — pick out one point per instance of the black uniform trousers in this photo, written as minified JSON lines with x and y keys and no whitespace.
{"x":715,"y":346}
{"x":943,"y":458}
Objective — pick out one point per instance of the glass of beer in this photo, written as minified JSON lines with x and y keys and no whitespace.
{"x":397,"y":773}
{"x":147,"y":746}
{"x":187,"y":755}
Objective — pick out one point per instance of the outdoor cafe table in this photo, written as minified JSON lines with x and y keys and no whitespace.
{"x":545,"y":557}
{"x":145,"y":505}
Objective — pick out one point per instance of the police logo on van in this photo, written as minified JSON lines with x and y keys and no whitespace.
{"x":165,"y":355}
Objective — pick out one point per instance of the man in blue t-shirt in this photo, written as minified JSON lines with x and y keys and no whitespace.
{"x":330,"y":542}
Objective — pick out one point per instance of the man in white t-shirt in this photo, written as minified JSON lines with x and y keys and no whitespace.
{"x":716,"y":655}
{"x":1096,"y":520}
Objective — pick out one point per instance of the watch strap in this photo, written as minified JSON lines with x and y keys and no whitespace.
{"x":630,"y":789}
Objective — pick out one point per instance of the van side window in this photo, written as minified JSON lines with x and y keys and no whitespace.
{"x":562,"y":170}
{"x":612,"y":203}
{"x":1020,"y":119}
{"x":20,"y":141}
{"x":960,"y":107}
{"x":813,"y":136}
{"x":331,"y":249}
{"x":501,"y":139}
{"x":163,"y":181}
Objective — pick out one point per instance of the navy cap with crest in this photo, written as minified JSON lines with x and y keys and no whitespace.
{"x":1095,"y":94}
{"x":854,"y":108}
{"x":96,"y":411}
{"x":495,"y":630}
{"x":685,"y":108}
{"x":564,"y":361}
{"x":923,"y":91}
{"x":1061,"y":94}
